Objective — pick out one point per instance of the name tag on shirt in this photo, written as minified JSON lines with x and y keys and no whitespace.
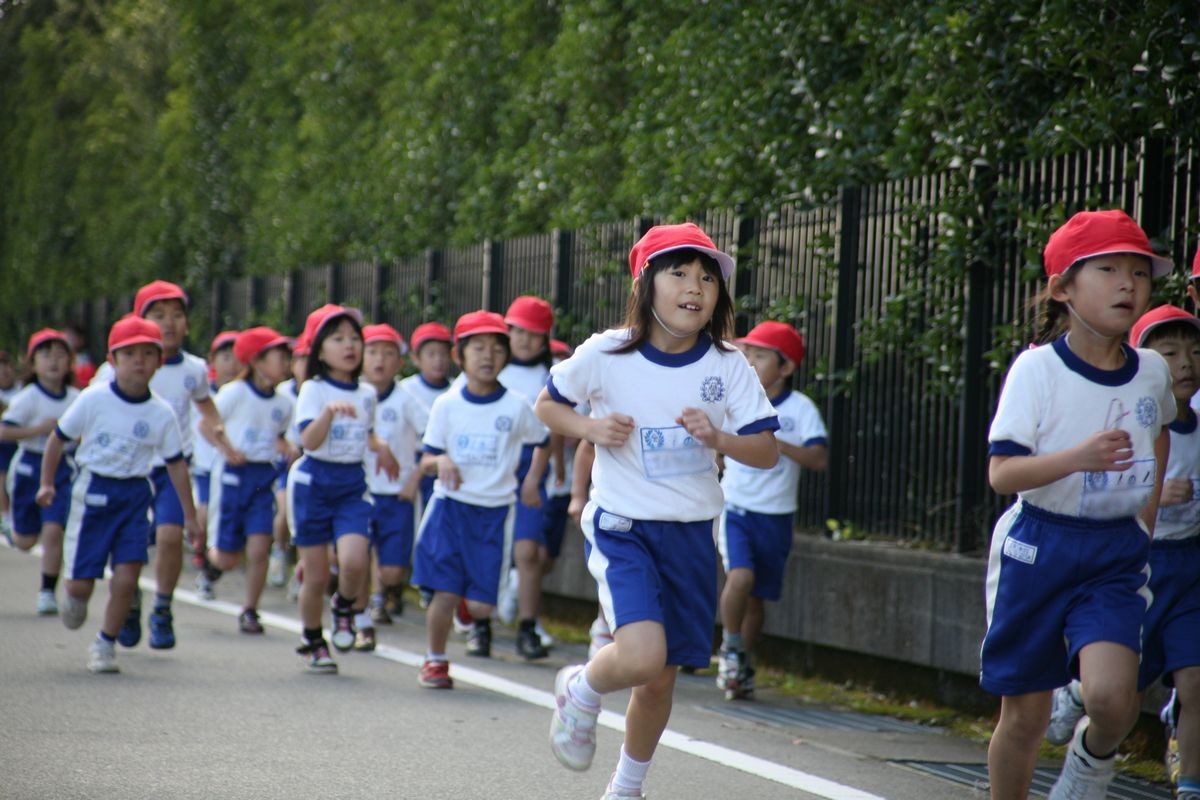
{"x":669,"y":452}
{"x":1107,"y":495}
{"x":481,"y":449}
{"x":1187,"y":511}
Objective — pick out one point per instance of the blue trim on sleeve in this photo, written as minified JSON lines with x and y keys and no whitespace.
{"x":758,"y":426}
{"x":556,"y":395}
{"x":59,"y":433}
{"x":433,"y":451}
{"x":1007,"y":447}
{"x":543,"y":443}
{"x":816,"y":440}
{"x":302,"y":424}
{"x":11,"y":422}
{"x":174,"y":458}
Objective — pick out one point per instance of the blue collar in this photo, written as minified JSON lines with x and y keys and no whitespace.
{"x":533,"y":362}
{"x":259,"y":392}
{"x":1105,"y":377}
{"x":117,"y":391}
{"x":781,"y":398}
{"x":175,"y":359}
{"x":484,"y":398}
{"x":388,"y":393}
{"x":440,"y":386}
{"x":689,"y":356}
{"x":350,"y":387}
{"x":1186,"y":425}
{"x":49,"y":393}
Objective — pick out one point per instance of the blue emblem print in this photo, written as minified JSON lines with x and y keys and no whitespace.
{"x":189,"y":383}
{"x":102,"y":440}
{"x":277,"y":414}
{"x":142,"y":429}
{"x":1147,"y":411}
{"x":652,"y":439}
{"x":787,"y":424}
{"x":337,"y":432}
{"x":464,"y":441}
{"x":504,"y":423}
{"x":1094,"y":481}
{"x":388,"y":415}
{"x":367,"y":404}
{"x":712,"y":389}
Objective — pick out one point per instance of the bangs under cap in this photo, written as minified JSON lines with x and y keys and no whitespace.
{"x":1089,"y":234}
{"x":1157,"y":317}
{"x":430,"y":332}
{"x":155,"y":291}
{"x":664,"y":238}
{"x":324,"y":315}
{"x":777,"y":336}
{"x":42,"y":337}
{"x":131,"y":330}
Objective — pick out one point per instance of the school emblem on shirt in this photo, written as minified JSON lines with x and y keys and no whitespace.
{"x":652,"y":439}
{"x":787,"y":424}
{"x":504,"y":423}
{"x":1147,"y":411}
{"x":367,"y":404}
{"x":712,"y":389}
{"x":277,"y":414}
{"x":1095,"y":481}
{"x":388,"y":415}
{"x":189,"y":382}
{"x":141,"y":429}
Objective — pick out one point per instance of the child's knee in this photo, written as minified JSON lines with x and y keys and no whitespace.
{"x":739,"y":580}
{"x":1187,"y":686}
{"x":1111,"y":706}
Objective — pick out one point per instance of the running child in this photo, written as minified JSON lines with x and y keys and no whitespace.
{"x":755,"y":536}
{"x":282,"y":552}
{"x":399,"y":421}
{"x":223,"y":367}
{"x":123,"y":429}
{"x":1080,"y":436}
{"x":328,"y":501}
{"x":473,"y":443}
{"x":243,"y":495}
{"x":663,"y":390}
{"x":29,"y":420}
{"x":8,"y":390}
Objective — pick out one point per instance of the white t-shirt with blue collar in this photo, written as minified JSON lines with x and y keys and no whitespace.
{"x":253,"y":420}
{"x":1053,"y":400}
{"x":181,"y":380}
{"x":346,"y":442}
{"x":424,"y":391}
{"x":661,"y":473}
{"x":774,"y":490}
{"x":1182,"y":520}
{"x":32,"y":405}
{"x":121,"y":436}
{"x":400,"y":420}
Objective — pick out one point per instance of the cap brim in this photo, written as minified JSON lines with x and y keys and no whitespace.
{"x":726,"y":262}
{"x":1190,"y":320}
{"x":136,"y":340}
{"x":496,"y":329}
{"x":1159,"y":266}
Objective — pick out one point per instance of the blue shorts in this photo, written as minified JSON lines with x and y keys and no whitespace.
{"x":392,"y":526}
{"x":554,"y":523}
{"x":427,"y":482}
{"x":665,"y":572}
{"x":24,"y":478}
{"x":326,"y":501}
{"x":757,"y":542}
{"x":167,"y":508}
{"x":281,"y":473}
{"x":1171,"y":630}
{"x":200,"y":487}
{"x":461,"y":548}
{"x":243,"y":504}
{"x":1056,"y":584}
{"x":528,"y":521}
{"x":108,"y":523}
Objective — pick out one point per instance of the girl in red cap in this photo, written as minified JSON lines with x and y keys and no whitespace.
{"x":1080,"y":437}
{"x":29,"y":420}
{"x":663,"y":391}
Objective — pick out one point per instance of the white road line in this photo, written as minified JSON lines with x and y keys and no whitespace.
{"x":758,"y":767}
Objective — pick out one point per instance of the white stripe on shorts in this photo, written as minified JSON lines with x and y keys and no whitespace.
{"x":79,"y":491}
{"x":598,"y":564}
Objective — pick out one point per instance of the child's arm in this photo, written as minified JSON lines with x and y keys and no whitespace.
{"x":557,"y":444}
{"x":1162,"y":451}
{"x":177,"y":471}
{"x":384,"y":459}
{"x":530,"y":494}
{"x":409,"y":490}
{"x":585,"y":456}
{"x":314,"y":433}
{"x":441,"y":466}
{"x":13,"y":433}
{"x":1106,"y":451}
{"x":609,"y":431}
{"x":814,"y":458}
{"x":754,"y":450}
{"x":213,"y":429}
{"x":50,"y":459}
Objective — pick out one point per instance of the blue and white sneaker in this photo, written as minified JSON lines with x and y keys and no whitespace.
{"x":131,"y":630}
{"x":162,"y":629}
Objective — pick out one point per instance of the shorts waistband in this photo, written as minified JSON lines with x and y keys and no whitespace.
{"x":1082,"y":524}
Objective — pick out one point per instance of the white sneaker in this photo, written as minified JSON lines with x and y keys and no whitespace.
{"x":1083,"y":777}
{"x":506,"y":606}
{"x":46,"y":604}
{"x":548,"y":641}
{"x":612,"y":793}
{"x":277,"y":568}
{"x":601,"y":636}
{"x":293,"y":588}
{"x":727,"y":667}
{"x":573,"y":727}
{"x":1065,"y":713}
{"x":102,"y":657}
{"x":204,"y":587}
{"x":74,"y":612}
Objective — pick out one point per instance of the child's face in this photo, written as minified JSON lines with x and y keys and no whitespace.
{"x":225,"y":365}
{"x":52,"y":362}
{"x":274,"y":365}
{"x":685,"y":297}
{"x":1108,"y":292}
{"x":299,"y":367}
{"x":482,"y":357}
{"x":526,"y":345}
{"x":136,"y":364}
{"x":342,"y":349}
{"x":1182,"y":354}
{"x":433,"y":359}
{"x":171,"y":318}
{"x":766,"y":363}
{"x":381,"y":362}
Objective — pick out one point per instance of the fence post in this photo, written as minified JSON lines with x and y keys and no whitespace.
{"x":333,"y":283}
{"x":258,"y":300}
{"x":433,"y":274}
{"x":843,"y":350}
{"x":291,"y":293}
{"x":214,"y":312}
{"x":561,"y":248}
{"x":493,"y":273}
{"x":1154,"y":188}
{"x":746,"y":257}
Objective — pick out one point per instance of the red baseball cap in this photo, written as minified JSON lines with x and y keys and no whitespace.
{"x":777,"y":336}
{"x":1156,"y":317}
{"x":223,"y":339}
{"x":301,"y":346}
{"x":665,"y":238}
{"x":1097,"y":233}
{"x":46,"y":335}
{"x":477,"y":322}
{"x":327,"y":313}
{"x":253,"y":342}
{"x":130,"y":330}
{"x":383,"y":332}
{"x":1196,"y":264}
{"x":157,"y":290}
{"x":531,"y":313}
{"x":430,"y":332}
{"x":560,"y":348}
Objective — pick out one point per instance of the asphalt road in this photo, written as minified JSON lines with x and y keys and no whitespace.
{"x":226,"y":715}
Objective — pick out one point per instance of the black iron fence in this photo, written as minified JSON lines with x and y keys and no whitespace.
{"x":911,"y":294}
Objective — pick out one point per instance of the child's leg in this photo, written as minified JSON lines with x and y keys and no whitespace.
{"x":637,"y":656}
{"x":1013,"y":751}
{"x":315,"y":562}
{"x":258,"y":550}
{"x":24,"y":541}
{"x":1187,"y":723}
{"x":647,"y":714}
{"x":354,"y":559}
{"x":437,"y":620}
{"x":168,"y":563}
{"x":52,"y":549}
{"x":752,"y":622}
{"x":80,"y":589}
{"x":120,"y":595}
{"x":1108,"y":674}
{"x":480,"y":610}
{"x":738,"y":583}
{"x":529,"y":571}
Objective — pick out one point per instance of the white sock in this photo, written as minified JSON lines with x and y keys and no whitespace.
{"x":630,"y":775}
{"x":582,"y":692}
{"x":435,"y":657}
{"x":363,"y":620}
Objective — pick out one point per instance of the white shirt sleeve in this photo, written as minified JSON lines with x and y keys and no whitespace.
{"x":170,"y":444}
{"x":309,"y":404}
{"x":810,"y":428}
{"x":435,"y":431}
{"x":226,"y":400}
{"x":1021,"y":407}
{"x":532,"y":429}
{"x":22,"y":409}
{"x":74,"y":421}
{"x":574,"y":379}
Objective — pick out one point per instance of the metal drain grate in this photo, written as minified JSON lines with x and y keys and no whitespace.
{"x":818,"y":719}
{"x":975,"y":776}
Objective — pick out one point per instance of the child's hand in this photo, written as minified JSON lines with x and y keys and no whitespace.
{"x":560,"y":473}
{"x":46,"y":426}
{"x":234,"y":457}
{"x":386,"y":462}
{"x":575,"y":508}
{"x":1176,"y":491}
{"x":291,"y":452}
{"x":610,"y":431}
{"x":194,"y":532}
{"x":1106,"y":451}
{"x":448,"y":472}
{"x":342,"y":407}
{"x":408,"y":492}
{"x":45,"y":495}
{"x":530,"y":494}
{"x":697,"y":423}
{"x":199,"y":542}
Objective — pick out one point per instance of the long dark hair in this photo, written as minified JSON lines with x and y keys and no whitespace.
{"x":638,"y":316}
{"x":1051,"y":319}
{"x":318,"y":368}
